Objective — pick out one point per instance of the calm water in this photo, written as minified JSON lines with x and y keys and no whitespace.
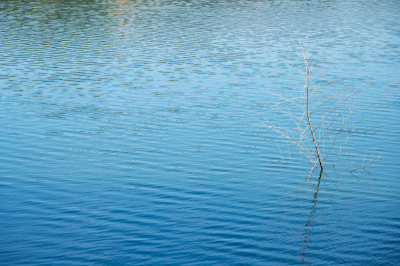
{"x":134,"y":132}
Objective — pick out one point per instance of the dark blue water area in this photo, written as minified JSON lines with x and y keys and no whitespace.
{"x":144,"y":132}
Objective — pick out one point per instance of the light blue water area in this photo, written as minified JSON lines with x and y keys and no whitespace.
{"x":138,"y":132}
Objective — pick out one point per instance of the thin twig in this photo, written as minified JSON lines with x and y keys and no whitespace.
{"x":308,"y":110}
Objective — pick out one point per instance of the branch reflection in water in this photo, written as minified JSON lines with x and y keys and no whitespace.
{"x":308,"y":226}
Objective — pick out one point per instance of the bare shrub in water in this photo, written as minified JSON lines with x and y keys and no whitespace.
{"x":319,"y":125}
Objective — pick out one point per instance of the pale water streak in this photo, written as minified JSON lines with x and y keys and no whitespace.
{"x":133,"y":132}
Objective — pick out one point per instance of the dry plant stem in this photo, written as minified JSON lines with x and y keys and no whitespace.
{"x":308,"y":111}
{"x":310,"y":136}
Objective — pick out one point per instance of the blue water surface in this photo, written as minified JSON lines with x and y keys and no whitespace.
{"x":139,"y":132}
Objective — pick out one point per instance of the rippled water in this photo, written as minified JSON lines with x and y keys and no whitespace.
{"x":134,"y":132}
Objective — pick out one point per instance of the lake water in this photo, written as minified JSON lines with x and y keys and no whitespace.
{"x":137,"y":132}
